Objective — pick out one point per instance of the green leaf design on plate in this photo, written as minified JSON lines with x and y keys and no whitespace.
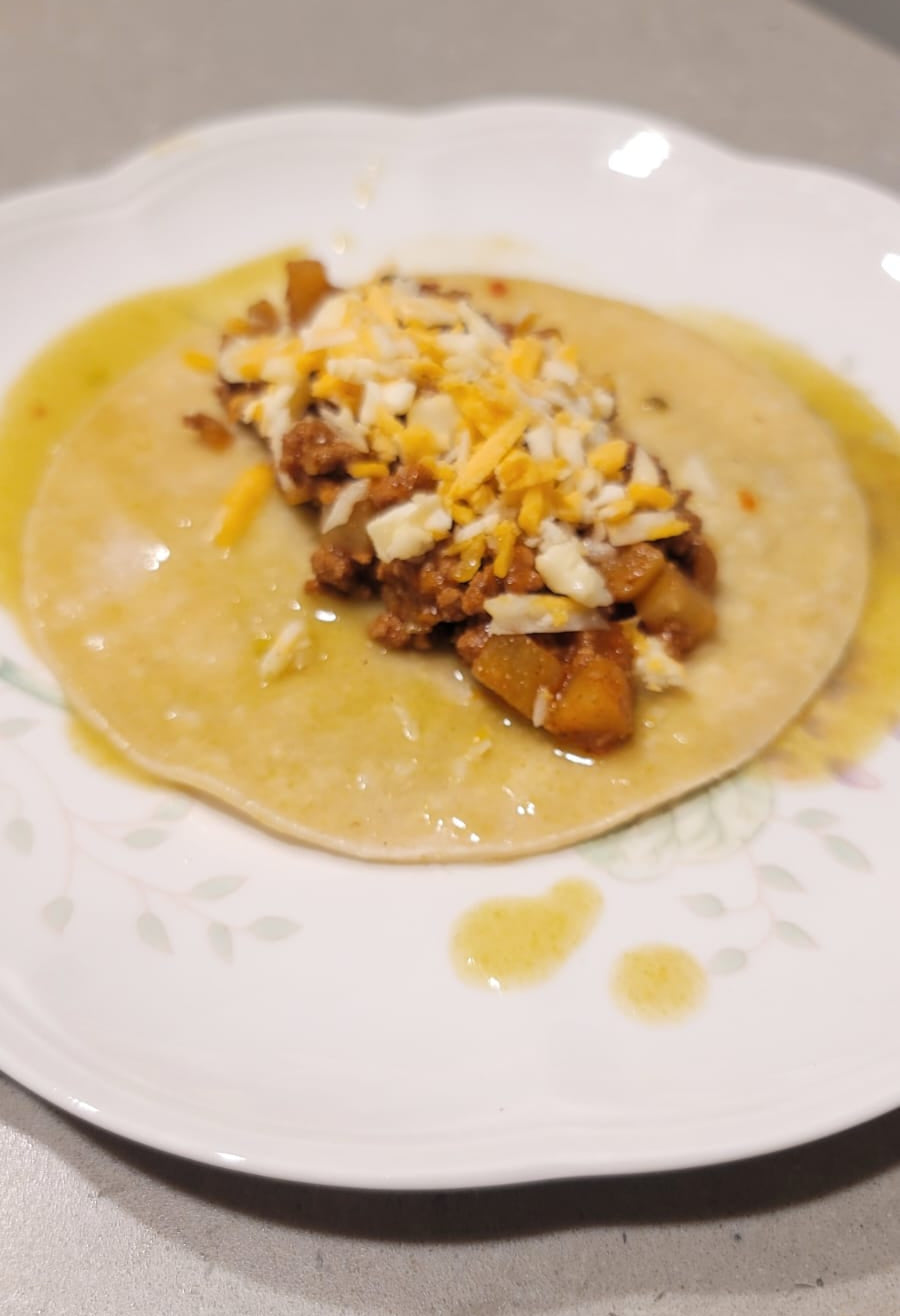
{"x":14,"y":675}
{"x":722,"y":820}
{"x":273,"y":928}
{"x":728,"y":960}
{"x":814,"y":819}
{"x":705,"y":827}
{"x":846,"y":853}
{"x":705,"y":904}
{"x":216,"y":888}
{"x":173,"y":809}
{"x":221,"y":941}
{"x":15,"y":726}
{"x":56,"y":913}
{"x":775,"y":876}
{"x":152,"y":931}
{"x":794,"y":935}
{"x":19,"y":833}
{"x":638,"y":853}
{"x":145,"y":838}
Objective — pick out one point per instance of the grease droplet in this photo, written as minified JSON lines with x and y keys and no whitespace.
{"x":516,"y":941}
{"x":658,"y":984}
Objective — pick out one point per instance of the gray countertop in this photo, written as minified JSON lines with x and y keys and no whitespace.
{"x":92,"y":1226}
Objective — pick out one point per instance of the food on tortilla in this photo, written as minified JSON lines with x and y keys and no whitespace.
{"x":473,"y":477}
{"x":166,"y":582}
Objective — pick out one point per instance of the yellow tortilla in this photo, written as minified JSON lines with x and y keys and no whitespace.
{"x":156,"y":634}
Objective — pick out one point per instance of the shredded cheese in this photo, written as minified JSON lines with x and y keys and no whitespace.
{"x":520,"y":443}
{"x":288,"y":649}
{"x":241,"y":504}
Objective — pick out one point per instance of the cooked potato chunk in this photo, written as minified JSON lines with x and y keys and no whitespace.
{"x":675,"y":607}
{"x":594,"y":708}
{"x":632,"y":570}
{"x":515,"y":667}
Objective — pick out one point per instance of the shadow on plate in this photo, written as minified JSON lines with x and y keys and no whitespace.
{"x":764,"y":1184}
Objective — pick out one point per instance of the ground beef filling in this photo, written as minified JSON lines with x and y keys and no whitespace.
{"x":578,"y":687}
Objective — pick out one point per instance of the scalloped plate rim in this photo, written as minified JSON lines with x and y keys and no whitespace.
{"x":126,"y":180}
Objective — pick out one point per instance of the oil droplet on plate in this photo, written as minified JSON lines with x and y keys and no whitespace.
{"x":516,"y":941}
{"x":658,"y":984}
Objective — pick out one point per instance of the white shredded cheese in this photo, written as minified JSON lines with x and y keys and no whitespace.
{"x":539,"y":442}
{"x":480,"y":746}
{"x":604,"y":402}
{"x":339,"y":512}
{"x":482,"y":525}
{"x":332,"y":311}
{"x":479,"y":326}
{"x":596,"y":549}
{"x":455,"y":343}
{"x":289,"y":648}
{"x":341,"y":419}
{"x":317,"y":339}
{"x":559,"y":372}
{"x":644,"y":469}
{"x":654,"y":666}
{"x":540,"y":614}
{"x":357,"y":369}
{"x":397,"y":395}
{"x":409,"y":529}
{"x":569,"y":446}
{"x":638,"y":527}
{"x":564,"y":570}
{"x":437,"y":413}
{"x":371,"y":402}
{"x":431,"y":311}
{"x":271,"y":414}
{"x":403,"y":374}
{"x":408,"y":724}
{"x":611,"y":492}
{"x":542,"y":701}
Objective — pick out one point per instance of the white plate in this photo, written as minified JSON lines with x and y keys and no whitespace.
{"x":192,"y":983}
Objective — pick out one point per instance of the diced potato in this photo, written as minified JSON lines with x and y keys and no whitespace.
{"x":515,"y":667}
{"x":307,"y":285}
{"x":673,"y":605}
{"x":612,"y":643}
{"x":594,"y":708}
{"x":632,"y":570}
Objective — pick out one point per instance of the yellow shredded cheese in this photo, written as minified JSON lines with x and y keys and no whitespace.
{"x":515,"y":437}
{"x":620,"y":510}
{"x":650,"y":495}
{"x":368,"y":470}
{"x":505,"y":536}
{"x":462,"y":514}
{"x":667,"y":529}
{"x":525,"y":357}
{"x":242,"y":503}
{"x":202,"y":362}
{"x":489,"y":453}
{"x":609,"y":457}
{"x":417,"y":442}
{"x":531,"y":513}
{"x":470,"y":559}
{"x":569,"y":507}
{"x":481,"y":499}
